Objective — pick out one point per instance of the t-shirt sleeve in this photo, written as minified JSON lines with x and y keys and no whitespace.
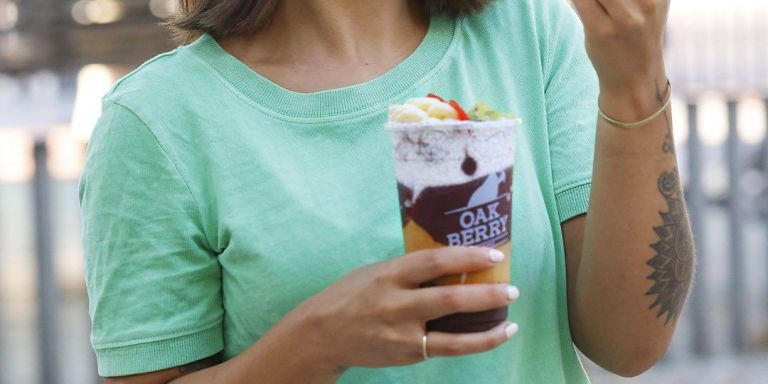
{"x":154,"y":287}
{"x":571,"y":91}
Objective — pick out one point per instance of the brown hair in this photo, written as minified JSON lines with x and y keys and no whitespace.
{"x":221,"y":18}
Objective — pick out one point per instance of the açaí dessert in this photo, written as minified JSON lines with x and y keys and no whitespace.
{"x":454,"y":178}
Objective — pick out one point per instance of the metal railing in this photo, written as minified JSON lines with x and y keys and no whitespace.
{"x":738,"y":212}
{"x":47,"y":294}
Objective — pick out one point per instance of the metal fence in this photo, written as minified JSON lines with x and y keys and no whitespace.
{"x":741,"y":209}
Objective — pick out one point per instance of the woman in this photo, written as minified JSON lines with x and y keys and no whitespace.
{"x":241,"y":216}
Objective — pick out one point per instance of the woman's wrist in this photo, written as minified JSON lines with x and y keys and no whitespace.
{"x":304,"y":334}
{"x":296,"y":337}
{"x":286,"y":353}
{"x":636,"y":98}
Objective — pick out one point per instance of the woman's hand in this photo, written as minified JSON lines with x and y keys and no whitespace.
{"x":375,"y":316}
{"x":624,"y":40}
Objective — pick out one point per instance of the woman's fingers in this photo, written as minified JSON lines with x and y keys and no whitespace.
{"x":422,"y":266}
{"x":454,"y":344}
{"x":433,"y":302}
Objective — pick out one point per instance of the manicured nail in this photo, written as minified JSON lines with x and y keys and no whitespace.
{"x":511,"y":330}
{"x":512,"y":293}
{"x":495,"y":255}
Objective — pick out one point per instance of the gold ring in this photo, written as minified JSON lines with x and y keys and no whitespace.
{"x":424,"y":347}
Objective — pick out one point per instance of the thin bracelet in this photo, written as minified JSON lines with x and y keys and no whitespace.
{"x":619,"y":124}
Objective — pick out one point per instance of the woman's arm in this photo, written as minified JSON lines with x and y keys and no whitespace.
{"x":373,"y":317}
{"x":279,"y":356}
{"x":630,"y":261}
{"x":166,"y":375}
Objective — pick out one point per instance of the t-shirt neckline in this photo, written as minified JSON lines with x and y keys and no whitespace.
{"x":384,"y":89}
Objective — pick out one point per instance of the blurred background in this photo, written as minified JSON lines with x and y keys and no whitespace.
{"x":58,"y":57}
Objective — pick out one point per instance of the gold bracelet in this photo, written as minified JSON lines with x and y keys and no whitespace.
{"x":619,"y":124}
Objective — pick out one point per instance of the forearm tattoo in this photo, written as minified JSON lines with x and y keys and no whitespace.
{"x":200,"y":364}
{"x":673,"y":260}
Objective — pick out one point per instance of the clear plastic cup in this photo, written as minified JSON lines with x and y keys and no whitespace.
{"x":454,"y":180}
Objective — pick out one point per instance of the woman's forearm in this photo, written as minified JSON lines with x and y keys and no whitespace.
{"x":282,"y":355}
{"x":372,"y":317}
{"x":637,"y":258}
{"x":278,"y":357}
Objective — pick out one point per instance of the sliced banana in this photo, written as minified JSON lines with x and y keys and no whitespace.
{"x":423,"y":103}
{"x":442,"y":111}
{"x":406,"y":113}
{"x":435,"y":108}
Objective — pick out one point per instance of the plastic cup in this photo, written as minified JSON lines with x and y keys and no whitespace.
{"x":454,"y":180}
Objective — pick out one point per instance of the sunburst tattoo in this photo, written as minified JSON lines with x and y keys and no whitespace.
{"x":673,"y":263}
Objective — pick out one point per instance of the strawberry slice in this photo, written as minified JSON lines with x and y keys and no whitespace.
{"x":432,"y":95}
{"x":459,"y":111}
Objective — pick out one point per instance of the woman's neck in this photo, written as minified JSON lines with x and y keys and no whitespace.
{"x":343,"y":41}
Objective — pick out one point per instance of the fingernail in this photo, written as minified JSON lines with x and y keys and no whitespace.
{"x":511,"y":330}
{"x":512,"y":293}
{"x":495,"y":255}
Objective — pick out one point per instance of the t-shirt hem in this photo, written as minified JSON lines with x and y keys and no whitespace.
{"x":158,"y":355}
{"x":573,"y":201}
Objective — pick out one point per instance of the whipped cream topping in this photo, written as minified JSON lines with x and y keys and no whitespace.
{"x":431,"y":154}
{"x":436,"y":143}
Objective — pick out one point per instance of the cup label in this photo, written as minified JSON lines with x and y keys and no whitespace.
{"x":474,"y":213}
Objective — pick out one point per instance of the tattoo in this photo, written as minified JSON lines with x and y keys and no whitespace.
{"x":673,"y":263}
{"x":669,"y":139}
{"x":200,"y":364}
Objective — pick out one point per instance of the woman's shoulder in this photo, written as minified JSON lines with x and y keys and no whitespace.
{"x":167,"y":79}
{"x":515,"y":16}
{"x":521,"y":27}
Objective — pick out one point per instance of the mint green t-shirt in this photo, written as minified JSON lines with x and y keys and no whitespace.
{"x":214,"y":201}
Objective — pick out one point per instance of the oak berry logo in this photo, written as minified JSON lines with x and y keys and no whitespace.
{"x":484,"y":220}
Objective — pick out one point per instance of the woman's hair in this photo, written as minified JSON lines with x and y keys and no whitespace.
{"x":221,"y":18}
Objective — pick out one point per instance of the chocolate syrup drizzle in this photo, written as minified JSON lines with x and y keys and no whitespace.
{"x":469,"y":165}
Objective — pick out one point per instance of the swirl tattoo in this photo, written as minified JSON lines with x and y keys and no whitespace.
{"x":673,"y":262}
